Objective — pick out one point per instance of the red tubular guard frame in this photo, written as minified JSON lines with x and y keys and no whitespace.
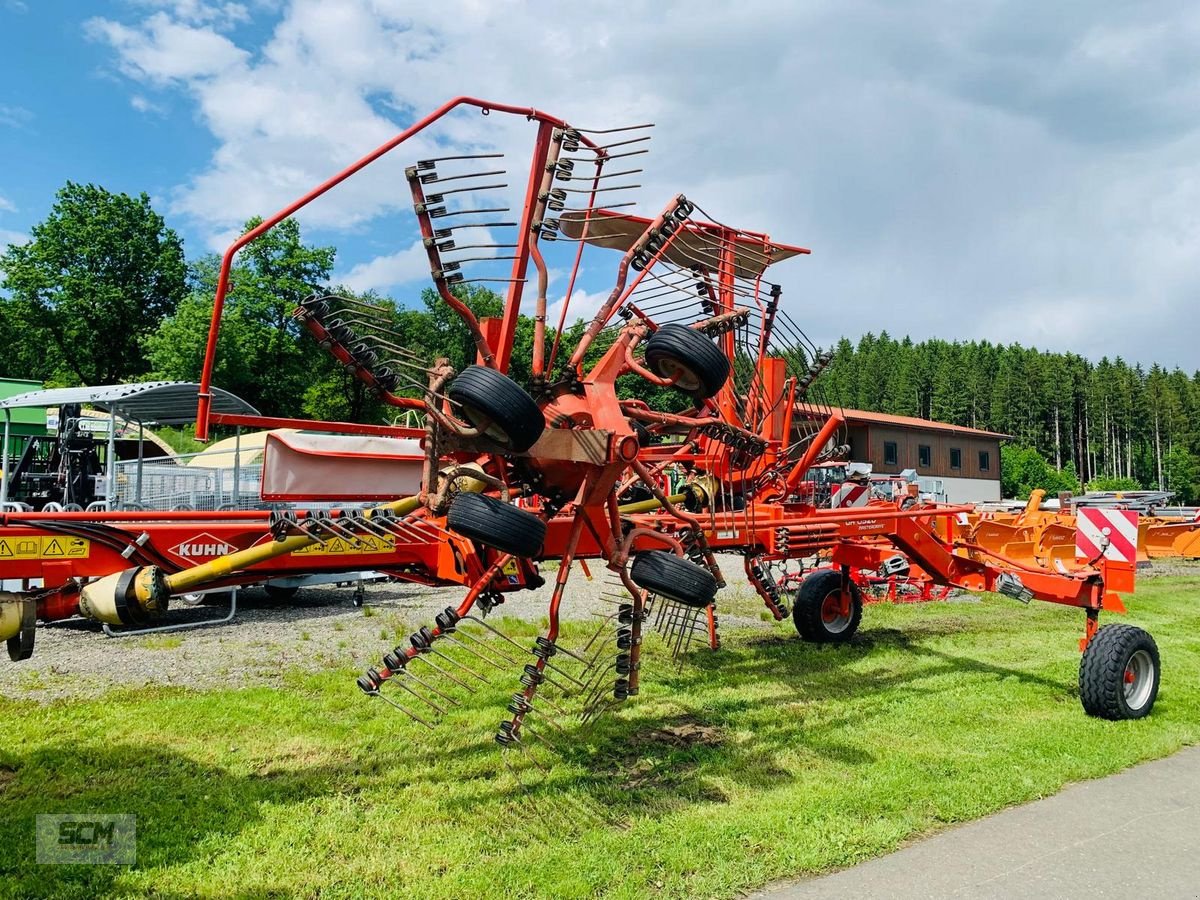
{"x":204,"y":415}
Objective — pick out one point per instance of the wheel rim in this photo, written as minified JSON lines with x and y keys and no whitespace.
{"x":683,"y":377}
{"x":835,"y":612}
{"x":193,"y":599}
{"x":485,"y":424}
{"x":1139,"y":679}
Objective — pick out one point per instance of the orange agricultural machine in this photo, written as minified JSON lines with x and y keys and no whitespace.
{"x":1041,"y":536}
{"x":569,"y":467}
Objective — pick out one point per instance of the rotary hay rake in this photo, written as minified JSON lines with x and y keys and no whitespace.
{"x":566,"y":470}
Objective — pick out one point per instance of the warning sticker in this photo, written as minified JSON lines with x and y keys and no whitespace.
{"x":365,"y":545}
{"x":44,"y":547}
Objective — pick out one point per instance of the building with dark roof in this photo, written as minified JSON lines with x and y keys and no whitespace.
{"x":965,"y":460}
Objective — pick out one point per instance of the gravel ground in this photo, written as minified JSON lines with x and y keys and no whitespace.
{"x":319,"y":628}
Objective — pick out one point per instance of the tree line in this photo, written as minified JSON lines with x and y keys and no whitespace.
{"x":1073,"y":423}
{"x":103,"y":293}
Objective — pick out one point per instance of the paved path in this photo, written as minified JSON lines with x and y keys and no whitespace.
{"x":1136,"y":834}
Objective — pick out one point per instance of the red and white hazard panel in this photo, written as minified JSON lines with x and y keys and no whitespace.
{"x":850,"y":494}
{"x":1112,"y":533}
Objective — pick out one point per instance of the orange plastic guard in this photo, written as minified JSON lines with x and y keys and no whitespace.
{"x":337,"y":467}
{"x":1119,"y":575}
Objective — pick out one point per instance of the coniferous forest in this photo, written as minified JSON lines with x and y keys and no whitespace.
{"x":1073,"y":422}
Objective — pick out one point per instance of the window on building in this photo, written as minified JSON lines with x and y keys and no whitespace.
{"x":889,"y":453}
{"x":985,"y":461}
{"x":955,"y":458}
{"x":924,"y":456}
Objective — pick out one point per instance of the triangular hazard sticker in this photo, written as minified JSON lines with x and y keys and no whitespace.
{"x":5,"y":550}
{"x":54,"y":548}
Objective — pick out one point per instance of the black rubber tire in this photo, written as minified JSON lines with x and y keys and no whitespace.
{"x":279,"y":593}
{"x":496,"y":524}
{"x":674,"y":577}
{"x":808,"y":609}
{"x":486,"y":397}
{"x":1102,"y":673}
{"x":674,"y":347}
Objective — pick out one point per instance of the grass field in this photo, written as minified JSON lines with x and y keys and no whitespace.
{"x":808,"y":759}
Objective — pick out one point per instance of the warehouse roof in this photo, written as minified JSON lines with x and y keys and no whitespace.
{"x":864,"y":417}
{"x":149,"y":402}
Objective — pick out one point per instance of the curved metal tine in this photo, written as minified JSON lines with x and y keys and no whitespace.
{"x":482,"y":246}
{"x":414,"y":520}
{"x":351,"y":525}
{"x":393,"y":526}
{"x":421,"y":537}
{"x":595,"y":680}
{"x":463,"y":190}
{"x":466,"y":212}
{"x":525,"y":729}
{"x":361,"y":304}
{"x":490,"y":649}
{"x":412,"y":715}
{"x":438,"y":179}
{"x":495,"y":631}
{"x":611,"y":156}
{"x":529,"y":756}
{"x":595,"y":710}
{"x":543,"y":716}
{"x":342,"y":532}
{"x":590,"y":209}
{"x":566,"y":675}
{"x":314,"y":524}
{"x":542,"y":698}
{"x":636,"y":140}
{"x":597,"y":190}
{"x":449,"y":636}
{"x":428,"y":162}
{"x":372,"y":527}
{"x":459,"y":225}
{"x":570,"y":652}
{"x":611,"y":130}
{"x":467,"y":259}
{"x":597,"y":176}
{"x":430,"y":687}
{"x":399,"y":682}
{"x":452,"y":661}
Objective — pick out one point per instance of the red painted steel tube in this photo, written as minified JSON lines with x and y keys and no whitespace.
{"x":396,"y":431}
{"x":525,"y":239}
{"x":832,"y":424}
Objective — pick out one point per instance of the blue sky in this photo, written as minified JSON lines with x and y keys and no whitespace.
{"x":1000,"y":170}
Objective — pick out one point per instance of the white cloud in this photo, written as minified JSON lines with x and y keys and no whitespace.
{"x":6,"y":205}
{"x":199,"y":12}
{"x":12,"y":237}
{"x":145,"y":105}
{"x":14,"y":116}
{"x":162,"y":49}
{"x":384,"y":272}
{"x":583,"y":305}
{"x":1013,"y":172}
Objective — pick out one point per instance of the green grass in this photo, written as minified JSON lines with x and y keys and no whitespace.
{"x":812,"y":758}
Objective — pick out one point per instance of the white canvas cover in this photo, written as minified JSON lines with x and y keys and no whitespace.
{"x":298,"y":466}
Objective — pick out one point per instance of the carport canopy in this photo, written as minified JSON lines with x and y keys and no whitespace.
{"x":147,"y":402}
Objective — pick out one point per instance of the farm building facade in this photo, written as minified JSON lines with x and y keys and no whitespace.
{"x":965,"y":460}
